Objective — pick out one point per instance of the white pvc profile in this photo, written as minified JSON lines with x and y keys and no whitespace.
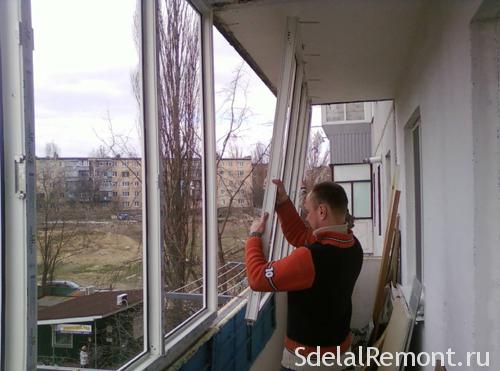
{"x":305,"y":144}
{"x":152,"y":233}
{"x":210,"y":166}
{"x":184,"y":336}
{"x":19,"y":223}
{"x":301,"y":141}
{"x":275,"y":168}
{"x":301,"y":144}
{"x":164,"y":350}
{"x":289,"y":165}
{"x":2,"y":218}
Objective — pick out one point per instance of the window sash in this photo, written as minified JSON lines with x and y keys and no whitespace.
{"x":278,"y":147}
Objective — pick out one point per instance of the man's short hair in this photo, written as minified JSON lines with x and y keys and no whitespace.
{"x":332,"y":194}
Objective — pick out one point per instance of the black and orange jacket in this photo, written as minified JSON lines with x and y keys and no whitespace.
{"x":319,"y":276}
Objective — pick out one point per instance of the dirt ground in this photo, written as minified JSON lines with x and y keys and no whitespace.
{"x":109,"y":253}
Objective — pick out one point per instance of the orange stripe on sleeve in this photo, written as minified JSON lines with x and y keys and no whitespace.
{"x":295,"y":272}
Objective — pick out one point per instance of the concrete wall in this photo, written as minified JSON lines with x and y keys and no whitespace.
{"x":384,"y":146}
{"x":451,"y":81}
{"x":486,"y":162}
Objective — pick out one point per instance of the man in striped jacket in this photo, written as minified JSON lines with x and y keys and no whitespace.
{"x":319,"y":275}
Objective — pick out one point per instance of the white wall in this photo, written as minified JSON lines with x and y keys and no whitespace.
{"x":438,"y":83}
{"x":486,"y":160}
{"x":383,"y":142}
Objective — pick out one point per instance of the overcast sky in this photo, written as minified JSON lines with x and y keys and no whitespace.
{"x":83,"y":59}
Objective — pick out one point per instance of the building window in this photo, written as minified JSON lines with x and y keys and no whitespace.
{"x":241,"y":172}
{"x":240,"y":163}
{"x":61,"y":340}
{"x":125,"y":174}
{"x":345,"y":112}
{"x":125,"y":194}
{"x":115,"y":194}
{"x":136,"y":183}
{"x":126,"y":204}
{"x":114,"y":173}
{"x":356,"y":179}
{"x":136,"y":203}
{"x":125,"y":184}
{"x":137,"y":193}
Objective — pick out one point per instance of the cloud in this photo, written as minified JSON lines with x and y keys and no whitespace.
{"x":83,"y":59}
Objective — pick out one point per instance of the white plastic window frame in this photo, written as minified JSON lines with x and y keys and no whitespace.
{"x":2,"y":219}
{"x":282,"y":125}
{"x":165,"y":349}
{"x":292,"y":138}
{"x":351,"y":181}
{"x":299,"y":158}
{"x":19,"y":226}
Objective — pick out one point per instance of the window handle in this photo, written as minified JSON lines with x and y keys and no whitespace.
{"x":20,"y":176}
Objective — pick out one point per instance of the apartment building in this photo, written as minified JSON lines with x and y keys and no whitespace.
{"x":234,"y":182}
{"x":86,"y":179}
{"x":118,"y":180}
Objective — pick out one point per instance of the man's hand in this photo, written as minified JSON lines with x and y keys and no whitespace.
{"x":281,"y":195}
{"x":259,"y":225}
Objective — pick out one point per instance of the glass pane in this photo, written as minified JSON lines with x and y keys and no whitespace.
{"x":348,"y":190}
{"x":89,"y":187}
{"x":245,"y":113}
{"x":182,"y":154}
{"x":362,"y":200}
{"x":355,"y":111}
{"x":335,"y":112}
{"x":349,"y":173}
{"x":318,"y":158}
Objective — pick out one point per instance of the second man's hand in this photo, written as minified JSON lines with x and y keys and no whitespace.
{"x":281,"y":195}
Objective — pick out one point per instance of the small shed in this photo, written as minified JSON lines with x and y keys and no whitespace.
{"x":109,"y":324}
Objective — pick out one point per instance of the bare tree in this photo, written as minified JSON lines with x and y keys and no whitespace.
{"x":317,"y":161}
{"x":260,"y":161}
{"x":52,"y":150}
{"x":179,"y":87}
{"x":58,"y":238}
{"x":99,"y":152}
{"x":237,"y":184}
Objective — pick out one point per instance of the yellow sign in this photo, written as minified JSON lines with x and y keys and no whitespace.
{"x":74,"y":329}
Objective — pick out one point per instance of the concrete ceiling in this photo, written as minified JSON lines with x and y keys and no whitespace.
{"x":354,"y":50}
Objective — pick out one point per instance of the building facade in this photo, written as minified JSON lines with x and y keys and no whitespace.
{"x":118,"y":180}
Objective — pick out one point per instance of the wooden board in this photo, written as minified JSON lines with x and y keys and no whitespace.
{"x":395,"y":253}
{"x":386,"y":254}
{"x":397,"y":332}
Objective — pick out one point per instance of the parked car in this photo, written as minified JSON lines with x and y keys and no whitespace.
{"x":62,"y":287}
{"x":123,"y":216}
